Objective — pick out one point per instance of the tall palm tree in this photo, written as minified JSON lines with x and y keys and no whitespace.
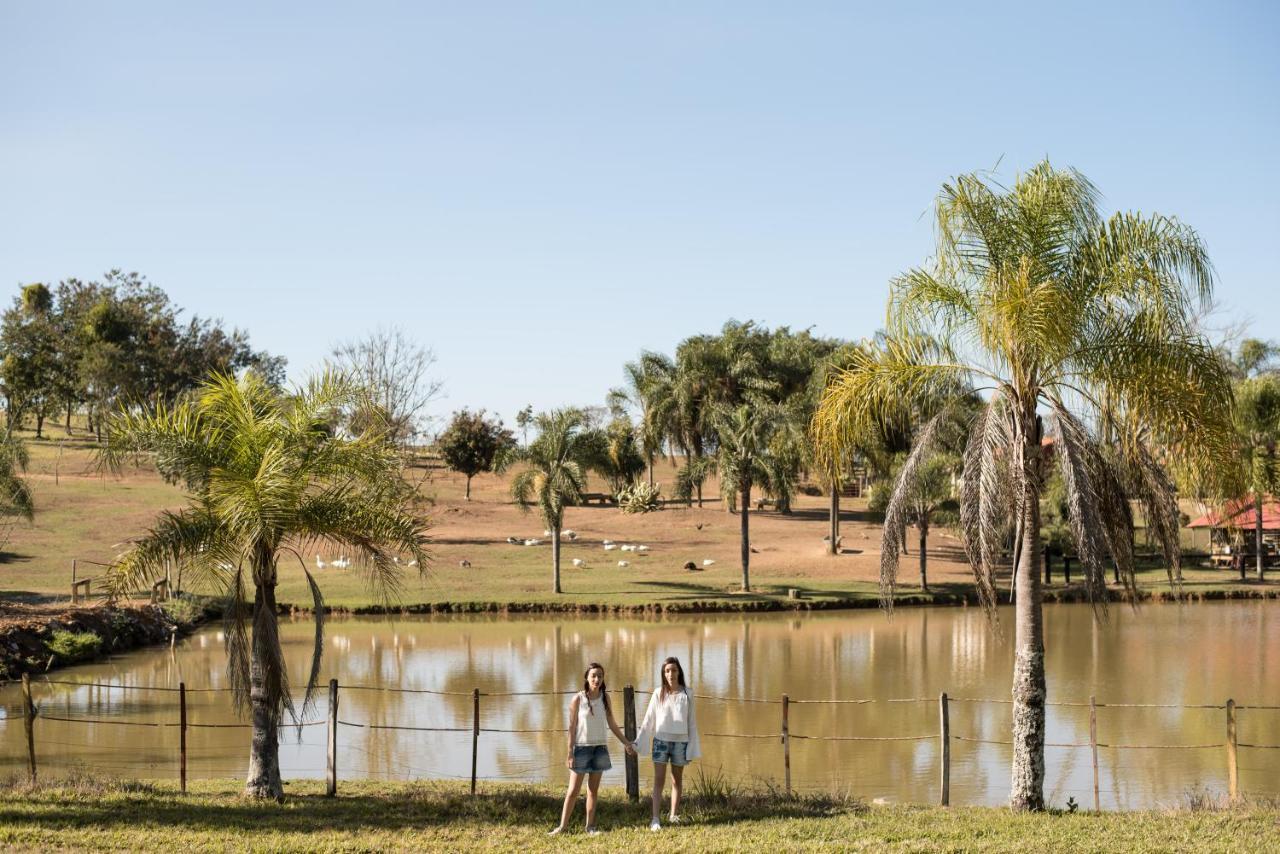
{"x":269,"y":479}
{"x":556,"y":474}
{"x":745,"y":433}
{"x":1047,"y":306}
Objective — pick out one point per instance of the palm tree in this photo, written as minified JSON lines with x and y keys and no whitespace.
{"x":269,"y":479}
{"x":556,"y":475}
{"x":647,"y":380}
{"x":1258,"y":428}
{"x":927,"y":498}
{"x":745,"y":433}
{"x":1047,"y":306}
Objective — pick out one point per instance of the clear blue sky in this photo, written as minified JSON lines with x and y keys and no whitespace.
{"x":540,"y":190}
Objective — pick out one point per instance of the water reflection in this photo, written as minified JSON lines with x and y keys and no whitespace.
{"x":1200,"y":654}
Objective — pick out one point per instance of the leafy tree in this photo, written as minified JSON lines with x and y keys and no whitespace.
{"x":268,"y":479}
{"x":471,"y":444}
{"x":28,"y":339}
{"x":1038,"y":297}
{"x":691,"y":476}
{"x":555,"y":476}
{"x":524,"y":418}
{"x":646,"y":382}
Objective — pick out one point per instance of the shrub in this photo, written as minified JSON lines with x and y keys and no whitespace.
{"x":74,"y":646}
{"x":640,"y":497}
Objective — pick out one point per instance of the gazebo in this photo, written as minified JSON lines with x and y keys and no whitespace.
{"x":1232,"y":528}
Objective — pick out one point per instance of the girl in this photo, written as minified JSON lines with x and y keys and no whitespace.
{"x":589,"y":714}
{"x":670,"y":724}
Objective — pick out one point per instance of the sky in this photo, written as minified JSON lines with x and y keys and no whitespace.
{"x":539,"y":191}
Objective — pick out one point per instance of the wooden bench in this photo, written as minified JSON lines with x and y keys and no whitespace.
{"x":762,"y":503}
{"x":597,"y":497}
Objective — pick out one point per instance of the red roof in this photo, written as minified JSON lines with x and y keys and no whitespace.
{"x":1241,"y":514}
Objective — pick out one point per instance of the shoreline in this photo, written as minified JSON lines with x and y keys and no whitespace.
{"x":1066,"y":595}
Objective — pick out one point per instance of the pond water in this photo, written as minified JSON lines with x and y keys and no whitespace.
{"x":1167,"y":655}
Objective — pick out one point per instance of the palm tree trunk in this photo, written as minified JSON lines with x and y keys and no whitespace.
{"x":833,"y":547}
{"x":1027,"y":791}
{"x":1257,"y":534}
{"x":39,"y":424}
{"x":264,"y":751}
{"x":555,"y":556}
{"x":924,"y":556}
{"x":651,"y":470}
{"x":746,"y":537}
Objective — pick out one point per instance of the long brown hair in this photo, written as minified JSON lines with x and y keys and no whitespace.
{"x":662,"y":676}
{"x":586,"y":687}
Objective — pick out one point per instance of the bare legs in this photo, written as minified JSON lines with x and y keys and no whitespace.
{"x":677,"y":787}
{"x":593,"y":791}
{"x":571,"y":797}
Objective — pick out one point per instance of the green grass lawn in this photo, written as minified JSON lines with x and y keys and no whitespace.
{"x":91,"y":815}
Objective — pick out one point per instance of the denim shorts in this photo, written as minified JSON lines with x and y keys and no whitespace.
{"x":591,"y":759}
{"x":670,"y":751}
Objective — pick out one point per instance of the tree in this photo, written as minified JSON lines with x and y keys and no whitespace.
{"x":646,"y":381}
{"x":615,"y":454}
{"x":471,"y":444}
{"x":524,"y":418}
{"x":397,"y":373}
{"x":28,"y":340}
{"x":555,"y":476}
{"x":743,"y":461}
{"x":928,"y":497}
{"x":1039,"y":298}
{"x":268,"y":479}
{"x":1257,"y":423}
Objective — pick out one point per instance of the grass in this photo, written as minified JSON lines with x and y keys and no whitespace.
{"x":84,"y":516}
{"x":71,"y":647}
{"x":83,"y":813}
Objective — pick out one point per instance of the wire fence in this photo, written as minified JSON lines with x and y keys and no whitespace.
{"x":1230,"y":745}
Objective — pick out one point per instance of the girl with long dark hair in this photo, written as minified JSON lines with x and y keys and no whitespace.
{"x":590,"y":720}
{"x":672,"y":730}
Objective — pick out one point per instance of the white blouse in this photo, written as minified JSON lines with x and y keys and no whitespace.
{"x":671,"y":719}
{"x":593,"y":722}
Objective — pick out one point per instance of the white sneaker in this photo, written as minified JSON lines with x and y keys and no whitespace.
{"x":654,"y":825}
{"x":593,"y":831}
{"x":673,"y":819}
{"x":556,"y":832}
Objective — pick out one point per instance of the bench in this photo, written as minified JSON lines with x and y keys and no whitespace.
{"x":762,"y":503}
{"x":597,"y":497}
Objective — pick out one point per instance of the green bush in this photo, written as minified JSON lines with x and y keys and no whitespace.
{"x":74,"y":646}
{"x":640,"y":497}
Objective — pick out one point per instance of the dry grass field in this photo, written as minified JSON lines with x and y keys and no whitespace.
{"x":90,"y":517}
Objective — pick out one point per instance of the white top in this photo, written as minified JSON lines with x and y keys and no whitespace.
{"x":671,"y":719}
{"x":593,"y":721}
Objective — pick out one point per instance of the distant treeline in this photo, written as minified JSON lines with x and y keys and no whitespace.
{"x":89,"y":347}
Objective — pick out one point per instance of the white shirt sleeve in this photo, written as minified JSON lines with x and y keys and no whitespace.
{"x":694,"y":749}
{"x":644,"y":738}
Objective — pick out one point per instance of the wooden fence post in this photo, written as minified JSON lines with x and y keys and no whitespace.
{"x":331,"y":765}
{"x":944,"y":735}
{"x":29,"y":722}
{"x":1233,"y":771}
{"x":475,"y":734}
{"x":1093,"y":745}
{"x":786,"y":743}
{"x":629,"y":730}
{"x":182,"y":735}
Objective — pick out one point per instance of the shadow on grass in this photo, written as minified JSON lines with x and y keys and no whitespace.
{"x":83,"y":801}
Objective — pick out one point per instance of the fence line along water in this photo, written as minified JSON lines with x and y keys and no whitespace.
{"x":944,"y":735}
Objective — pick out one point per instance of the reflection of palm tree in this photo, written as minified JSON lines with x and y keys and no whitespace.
{"x":267,"y":474}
